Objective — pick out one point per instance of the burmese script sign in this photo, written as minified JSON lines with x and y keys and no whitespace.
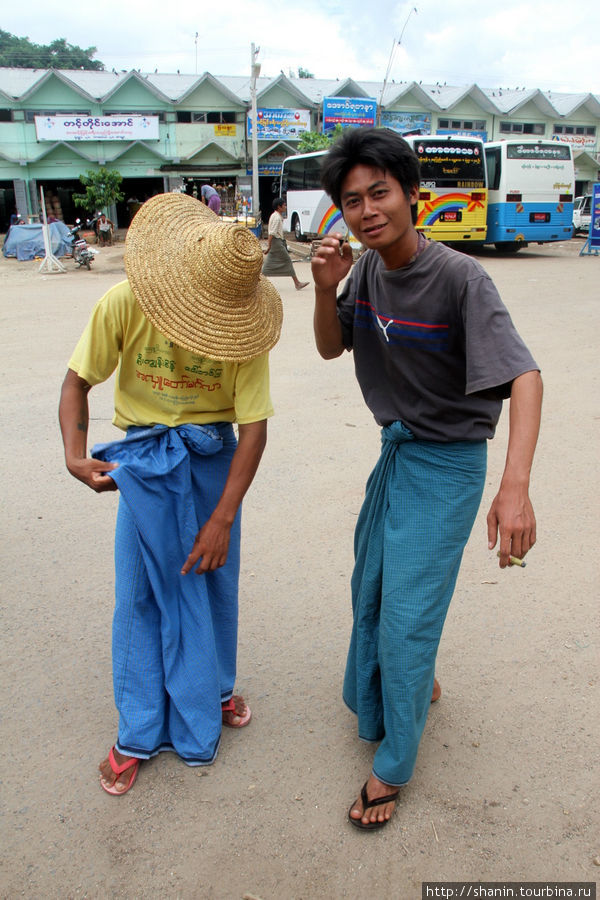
{"x":275,"y":124}
{"x":349,"y":112}
{"x":96,"y":128}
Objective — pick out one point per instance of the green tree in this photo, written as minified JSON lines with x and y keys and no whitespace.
{"x":313,"y":140}
{"x":21,"y":53}
{"x":101,"y":189}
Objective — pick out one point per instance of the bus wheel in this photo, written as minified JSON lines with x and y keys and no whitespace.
{"x":509,"y":246}
{"x":297,"y":229}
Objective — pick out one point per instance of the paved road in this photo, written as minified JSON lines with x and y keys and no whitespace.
{"x":506,"y":782}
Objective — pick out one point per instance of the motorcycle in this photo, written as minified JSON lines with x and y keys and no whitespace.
{"x":82,"y":254}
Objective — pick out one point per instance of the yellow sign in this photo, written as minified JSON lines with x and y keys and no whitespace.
{"x":225,"y":131}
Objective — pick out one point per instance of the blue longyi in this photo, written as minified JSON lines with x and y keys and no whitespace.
{"x":420,"y":504}
{"x":174,"y":636}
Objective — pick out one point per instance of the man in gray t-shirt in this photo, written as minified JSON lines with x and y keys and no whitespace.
{"x":434,"y":346}
{"x":435,"y":354}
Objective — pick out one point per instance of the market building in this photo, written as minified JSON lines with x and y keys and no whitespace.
{"x":176,"y":132}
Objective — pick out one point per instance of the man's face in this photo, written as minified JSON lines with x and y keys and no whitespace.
{"x":378,"y":213}
{"x":282,"y":210}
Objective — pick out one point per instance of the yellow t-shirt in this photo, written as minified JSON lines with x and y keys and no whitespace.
{"x":158,"y":382}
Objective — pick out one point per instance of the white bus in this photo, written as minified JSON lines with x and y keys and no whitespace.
{"x":452,"y":200}
{"x":311,"y":214}
{"x":530,"y":193}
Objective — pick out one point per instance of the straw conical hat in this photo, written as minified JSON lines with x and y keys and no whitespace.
{"x":198,"y":280}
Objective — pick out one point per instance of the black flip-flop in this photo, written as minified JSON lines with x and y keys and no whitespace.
{"x":379,"y":801}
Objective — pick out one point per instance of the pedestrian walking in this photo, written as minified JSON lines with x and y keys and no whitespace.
{"x":277,"y":258}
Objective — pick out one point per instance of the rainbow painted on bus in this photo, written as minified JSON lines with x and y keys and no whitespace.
{"x":431,"y":210}
{"x":331,"y":221}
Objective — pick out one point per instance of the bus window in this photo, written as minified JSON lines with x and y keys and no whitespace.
{"x":312,"y":174}
{"x":492,"y":161}
{"x":452,"y":165}
{"x":294,"y":175}
{"x":538,"y":151}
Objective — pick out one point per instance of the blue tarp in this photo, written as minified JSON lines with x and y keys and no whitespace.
{"x":27,"y":241}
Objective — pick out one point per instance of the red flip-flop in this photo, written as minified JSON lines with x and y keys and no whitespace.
{"x":229,"y":706}
{"x":131,"y":763}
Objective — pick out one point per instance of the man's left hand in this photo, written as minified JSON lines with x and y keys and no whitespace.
{"x":511,"y":516}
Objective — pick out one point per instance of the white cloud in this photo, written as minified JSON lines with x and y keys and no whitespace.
{"x":534,"y":44}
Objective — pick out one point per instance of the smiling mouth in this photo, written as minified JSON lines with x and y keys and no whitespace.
{"x":374,"y":229}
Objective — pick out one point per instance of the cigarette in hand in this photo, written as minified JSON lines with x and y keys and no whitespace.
{"x":514,"y":560}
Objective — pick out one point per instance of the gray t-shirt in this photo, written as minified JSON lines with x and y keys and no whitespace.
{"x":434,"y":346}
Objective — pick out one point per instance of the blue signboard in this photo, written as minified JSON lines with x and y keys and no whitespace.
{"x":277,"y":124}
{"x":595,"y":220}
{"x":349,"y":112}
{"x":269,"y":168}
{"x":406,"y":122}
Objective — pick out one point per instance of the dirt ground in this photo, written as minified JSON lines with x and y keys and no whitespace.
{"x":506,"y":786}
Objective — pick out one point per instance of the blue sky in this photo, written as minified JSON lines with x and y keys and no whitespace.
{"x":548,"y":45}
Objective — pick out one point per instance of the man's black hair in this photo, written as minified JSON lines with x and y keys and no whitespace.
{"x":277,"y":203}
{"x":377,"y":147}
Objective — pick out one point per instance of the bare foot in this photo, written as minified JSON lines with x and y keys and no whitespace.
{"x":235,"y":717}
{"x":380,"y":813}
{"x":437,"y":691}
{"x":111,"y":779}
{"x":301,"y":284}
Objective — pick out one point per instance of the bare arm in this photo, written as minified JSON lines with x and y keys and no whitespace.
{"x":511,"y":513}
{"x":73,"y":415}
{"x":329,"y":266}
{"x":212,"y":541}
{"x":270,"y":235}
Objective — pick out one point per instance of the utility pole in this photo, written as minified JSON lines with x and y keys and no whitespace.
{"x":395,"y":46}
{"x":254,"y":73}
{"x":196,"y":42}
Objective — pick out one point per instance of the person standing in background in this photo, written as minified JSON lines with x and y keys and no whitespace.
{"x":278,"y":260}
{"x":210,"y":197}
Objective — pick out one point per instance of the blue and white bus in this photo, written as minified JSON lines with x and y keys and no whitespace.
{"x":530,"y":193}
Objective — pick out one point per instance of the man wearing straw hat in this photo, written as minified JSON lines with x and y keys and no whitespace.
{"x":188,"y":334}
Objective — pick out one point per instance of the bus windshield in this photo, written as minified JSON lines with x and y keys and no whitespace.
{"x":456,"y":165}
{"x":538,"y":151}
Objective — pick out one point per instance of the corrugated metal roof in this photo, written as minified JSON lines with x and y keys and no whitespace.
{"x":16,"y":83}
